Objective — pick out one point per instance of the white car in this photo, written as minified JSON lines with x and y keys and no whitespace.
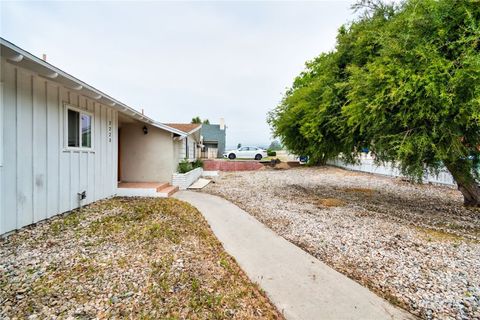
{"x":246,"y":153}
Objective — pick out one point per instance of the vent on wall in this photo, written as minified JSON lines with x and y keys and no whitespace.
{"x":82,"y":195}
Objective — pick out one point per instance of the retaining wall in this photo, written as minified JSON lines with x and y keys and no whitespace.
{"x":231,"y":165}
{"x":185,"y":180}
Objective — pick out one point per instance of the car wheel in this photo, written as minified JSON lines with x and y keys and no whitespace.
{"x":232,"y":156}
{"x":258,"y":157}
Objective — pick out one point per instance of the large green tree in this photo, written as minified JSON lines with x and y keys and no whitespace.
{"x":402,"y":81}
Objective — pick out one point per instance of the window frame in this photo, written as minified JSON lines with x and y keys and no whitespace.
{"x":65,"y":128}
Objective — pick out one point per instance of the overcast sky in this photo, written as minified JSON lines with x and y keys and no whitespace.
{"x":179,"y":60}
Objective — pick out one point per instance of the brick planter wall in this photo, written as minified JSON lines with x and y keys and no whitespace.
{"x":228,"y":165}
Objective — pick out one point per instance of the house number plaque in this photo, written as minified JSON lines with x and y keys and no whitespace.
{"x":109,"y":131}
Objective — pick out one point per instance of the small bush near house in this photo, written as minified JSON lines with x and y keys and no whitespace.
{"x":197,"y":164}
{"x":184,"y":166}
{"x":271,"y":153}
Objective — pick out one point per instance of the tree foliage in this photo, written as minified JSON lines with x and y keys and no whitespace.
{"x":275,"y":146}
{"x":402,"y":81}
{"x":198,"y":120}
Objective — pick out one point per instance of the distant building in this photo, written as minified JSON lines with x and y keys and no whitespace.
{"x":213,"y":139}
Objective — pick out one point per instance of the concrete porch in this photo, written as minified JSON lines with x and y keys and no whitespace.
{"x":145,"y":189}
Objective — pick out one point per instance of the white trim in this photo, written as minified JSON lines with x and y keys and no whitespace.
{"x":167,"y":128}
{"x":66,"y":107}
{"x":195,"y":130}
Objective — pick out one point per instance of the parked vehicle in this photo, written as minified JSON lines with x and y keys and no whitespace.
{"x":246,"y":153}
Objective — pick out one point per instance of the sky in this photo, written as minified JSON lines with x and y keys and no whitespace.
{"x":178,"y":60}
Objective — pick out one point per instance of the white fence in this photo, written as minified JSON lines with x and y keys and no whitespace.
{"x":185,"y":180}
{"x":367,"y":165}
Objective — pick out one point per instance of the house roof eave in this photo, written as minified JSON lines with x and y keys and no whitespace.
{"x":25,"y":59}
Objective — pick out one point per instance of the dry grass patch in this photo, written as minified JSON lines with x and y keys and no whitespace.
{"x":126,"y":258}
{"x":440,"y":235}
{"x":331,"y":202}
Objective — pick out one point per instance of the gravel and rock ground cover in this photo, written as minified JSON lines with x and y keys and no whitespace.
{"x":415,"y":245}
{"x":125,"y":258}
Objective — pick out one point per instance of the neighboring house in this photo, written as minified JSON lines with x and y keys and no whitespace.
{"x":213,"y":140}
{"x":64,"y":144}
{"x":187,"y":147}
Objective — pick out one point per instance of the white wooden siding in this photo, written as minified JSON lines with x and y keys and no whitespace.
{"x":191,"y":147}
{"x":182,"y":153}
{"x":39,"y":178}
{"x":1,"y":144}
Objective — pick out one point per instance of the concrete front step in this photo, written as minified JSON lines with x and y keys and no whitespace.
{"x":145,"y":189}
{"x":168,"y":190}
{"x":162,"y":186}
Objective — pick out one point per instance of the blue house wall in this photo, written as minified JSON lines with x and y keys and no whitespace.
{"x":212,"y":133}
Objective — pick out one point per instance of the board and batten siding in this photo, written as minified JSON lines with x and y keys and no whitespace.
{"x":181,"y":149}
{"x":39,"y":177}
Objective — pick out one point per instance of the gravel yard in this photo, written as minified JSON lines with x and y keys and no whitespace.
{"x":415,"y":245}
{"x":125,"y":258}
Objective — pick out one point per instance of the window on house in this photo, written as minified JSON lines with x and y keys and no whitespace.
{"x":73,"y":121}
{"x":86,"y":131}
{"x":79,"y":129}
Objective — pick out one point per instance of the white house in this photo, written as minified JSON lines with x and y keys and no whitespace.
{"x":63,"y":143}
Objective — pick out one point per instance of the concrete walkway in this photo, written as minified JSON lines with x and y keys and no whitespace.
{"x":301,"y":286}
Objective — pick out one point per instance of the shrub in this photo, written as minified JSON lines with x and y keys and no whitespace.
{"x":197,"y":164}
{"x":184,"y":166}
{"x":271,"y":153}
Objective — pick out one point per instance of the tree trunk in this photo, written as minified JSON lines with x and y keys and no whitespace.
{"x":467,"y":184}
{"x":471,"y":194}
